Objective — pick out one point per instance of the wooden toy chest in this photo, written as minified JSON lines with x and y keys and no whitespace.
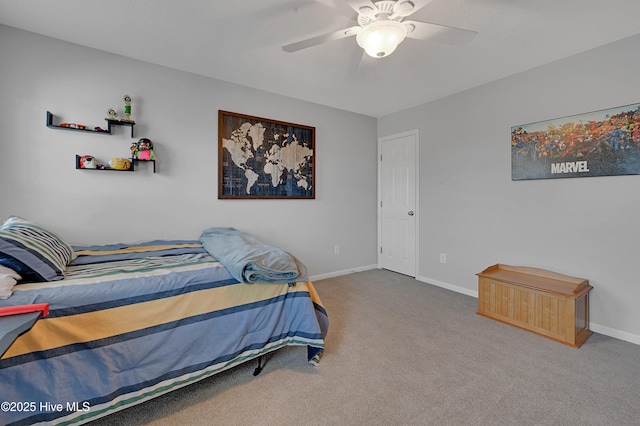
{"x":553,"y":305}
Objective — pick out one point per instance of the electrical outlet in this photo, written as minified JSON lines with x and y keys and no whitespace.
{"x":443,"y":257}
{"x":336,"y":249}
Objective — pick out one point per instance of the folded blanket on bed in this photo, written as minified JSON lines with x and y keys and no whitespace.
{"x":250,"y":260}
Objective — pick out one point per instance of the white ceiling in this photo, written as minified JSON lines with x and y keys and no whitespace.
{"x":240,"y":41}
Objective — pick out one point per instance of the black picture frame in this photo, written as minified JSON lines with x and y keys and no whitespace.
{"x":260,"y":158}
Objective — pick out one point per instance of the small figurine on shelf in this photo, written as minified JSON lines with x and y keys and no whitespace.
{"x":73,"y":125}
{"x":119,"y":164}
{"x":142,"y":150}
{"x":127,"y":108}
{"x":112,"y":114}
{"x":88,"y":162}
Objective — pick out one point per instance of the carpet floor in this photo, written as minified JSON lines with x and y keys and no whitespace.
{"x":402,"y":352}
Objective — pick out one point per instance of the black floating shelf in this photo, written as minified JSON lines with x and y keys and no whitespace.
{"x":74,"y":129}
{"x":103,"y":131}
{"x":104,"y":170}
{"x":120,"y":123}
{"x":145,"y":161}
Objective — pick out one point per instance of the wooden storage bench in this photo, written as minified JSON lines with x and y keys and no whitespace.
{"x":553,"y":305}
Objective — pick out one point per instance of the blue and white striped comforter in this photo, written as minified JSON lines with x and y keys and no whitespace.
{"x":131,"y":322}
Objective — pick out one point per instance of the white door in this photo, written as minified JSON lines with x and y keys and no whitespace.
{"x":397,"y":191}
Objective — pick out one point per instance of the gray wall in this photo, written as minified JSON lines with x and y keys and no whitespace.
{"x":178,"y":112}
{"x":471,"y":210}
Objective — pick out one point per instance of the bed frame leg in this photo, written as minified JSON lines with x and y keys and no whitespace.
{"x":259,"y":368}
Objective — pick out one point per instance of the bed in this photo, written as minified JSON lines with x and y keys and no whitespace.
{"x":130,"y":322}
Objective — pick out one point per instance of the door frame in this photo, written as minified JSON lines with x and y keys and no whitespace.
{"x":381,"y":140}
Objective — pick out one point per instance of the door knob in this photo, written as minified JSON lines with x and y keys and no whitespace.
{"x":411,"y":213}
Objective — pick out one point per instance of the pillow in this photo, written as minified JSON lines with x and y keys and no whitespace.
{"x":8,"y":278}
{"x":32,"y":251}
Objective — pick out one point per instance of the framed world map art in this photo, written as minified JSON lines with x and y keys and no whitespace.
{"x":262,"y":158}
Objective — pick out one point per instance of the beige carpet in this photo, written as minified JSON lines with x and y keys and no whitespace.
{"x":402,"y":352}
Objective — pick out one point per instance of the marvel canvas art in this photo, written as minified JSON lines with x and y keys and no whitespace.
{"x":599,"y":143}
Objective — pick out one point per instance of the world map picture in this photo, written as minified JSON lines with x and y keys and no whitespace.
{"x":262,"y":158}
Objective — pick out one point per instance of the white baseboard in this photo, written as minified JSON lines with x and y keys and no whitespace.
{"x":607,"y":331}
{"x":617,"y":334}
{"x":339,"y":273}
{"x":451,"y":287}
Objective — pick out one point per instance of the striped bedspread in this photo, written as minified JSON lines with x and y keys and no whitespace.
{"x":131,"y":322}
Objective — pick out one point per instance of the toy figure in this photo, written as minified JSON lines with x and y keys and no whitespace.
{"x":112,"y":114}
{"x":127,"y":108}
{"x":87,"y":162}
{"x":120,"y":164}
{"x":142,"y":150}
{"x":73,"y":125}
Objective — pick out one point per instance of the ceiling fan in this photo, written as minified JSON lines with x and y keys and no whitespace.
{"x":381,"y":28}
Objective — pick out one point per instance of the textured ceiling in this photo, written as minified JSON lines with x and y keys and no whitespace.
{"x":240,"y":42}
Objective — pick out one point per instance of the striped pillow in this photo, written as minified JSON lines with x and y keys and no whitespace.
{"x":32,"y":251}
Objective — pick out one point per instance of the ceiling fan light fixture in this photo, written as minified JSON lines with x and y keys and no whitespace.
{"x":380,"y":38}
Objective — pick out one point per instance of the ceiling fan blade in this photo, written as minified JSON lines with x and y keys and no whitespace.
{"x":404,"y":8}
{"x":439,"y":33}
{"x":324,"y":38}
{"x":365,"y":5}
{"x":419,"y":4}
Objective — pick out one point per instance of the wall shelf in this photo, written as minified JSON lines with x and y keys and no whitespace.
{"x":105,"y":170}
{"x":110,"y":123}
{"x":135,"y":160}
{"x":96,"y":130}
